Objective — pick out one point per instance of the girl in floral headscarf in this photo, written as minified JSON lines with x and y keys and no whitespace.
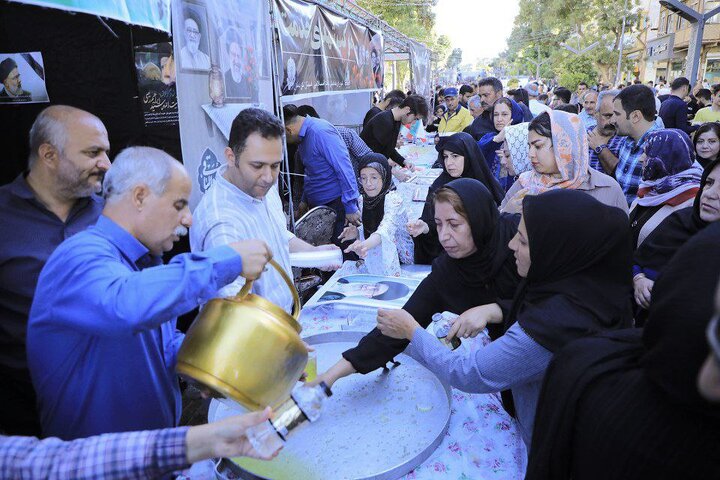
{"x":558,"y":153}
{"x":670,"y":181}
{"x":513,"y":155}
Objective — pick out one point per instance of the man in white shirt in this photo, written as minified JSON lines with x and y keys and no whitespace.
{"x":244,"y":203}
{"x":190,"y":55}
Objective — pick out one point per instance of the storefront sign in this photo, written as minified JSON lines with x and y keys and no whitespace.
{"x":661,"y":48}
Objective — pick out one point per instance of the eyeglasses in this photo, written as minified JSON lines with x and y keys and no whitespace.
{"x":368,"y":180}
{"x":192,"y":31}
{"x":713,"y":336}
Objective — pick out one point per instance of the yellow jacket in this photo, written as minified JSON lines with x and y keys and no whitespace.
{"x":455,"y":122}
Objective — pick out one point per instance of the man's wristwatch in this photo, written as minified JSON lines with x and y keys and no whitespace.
{"x":599,"y":148}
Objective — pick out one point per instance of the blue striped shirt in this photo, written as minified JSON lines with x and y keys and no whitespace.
{"x":629,"y":169}
{"x":613,"y":145}
{"x":146,"y":454}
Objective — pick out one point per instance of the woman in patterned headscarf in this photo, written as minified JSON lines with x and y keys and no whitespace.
{"x":382,"y":240}
{"x":558,"y":153}
{"x":670,"y":181}
{"x":513,"y":155}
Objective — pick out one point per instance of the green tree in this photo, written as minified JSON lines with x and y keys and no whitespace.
{"x":455,"y":59}
{"x":541,"y":27}
{"x":576,"y":69}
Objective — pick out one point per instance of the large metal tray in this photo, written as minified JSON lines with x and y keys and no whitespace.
{"x":378,"y":426}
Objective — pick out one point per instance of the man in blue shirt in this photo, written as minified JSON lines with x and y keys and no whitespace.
{"x":329,"y":176}
{"x":55,"y":199}
{"x":101,"y":337}
{"x":633,"y":116}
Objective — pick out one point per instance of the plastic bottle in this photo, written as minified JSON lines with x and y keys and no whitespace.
{"x":443,"y":321}
{"x":305,"y":403}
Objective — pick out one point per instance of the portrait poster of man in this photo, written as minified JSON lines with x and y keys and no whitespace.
{"x":22,"y":78}
{"x":289,"y":85}
{"x":195,"y":52}
{"x":155,"y":67}
{"x":239,"y":67}
{"x":374,"y":291}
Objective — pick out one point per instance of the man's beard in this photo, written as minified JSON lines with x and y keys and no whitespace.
{"x":74,"y":185}
{"x":15,"y":91}
{"x":193,"y":46}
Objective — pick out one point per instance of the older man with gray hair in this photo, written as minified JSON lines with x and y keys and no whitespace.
{"x":603,"y":141}
{"x":50,"y":202}
{"x":101,"y":332}
{"x":475,"y":106}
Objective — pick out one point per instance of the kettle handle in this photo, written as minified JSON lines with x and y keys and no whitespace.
{"x":245,"y":290}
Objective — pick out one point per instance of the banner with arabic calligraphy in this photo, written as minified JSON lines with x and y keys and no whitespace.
{"x":156,"y":84}
{"x":147,"y":13}
{"x":325,"y":52}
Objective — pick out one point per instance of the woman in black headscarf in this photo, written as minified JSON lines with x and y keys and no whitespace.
{"x":577,"y":284}
{"x":382,"y":239}
{"x":477,"y":268}
{"x":659,"y":247}
{"x":626,"y":404}
{"x":576,"y":273}
{"x":460,"y":157}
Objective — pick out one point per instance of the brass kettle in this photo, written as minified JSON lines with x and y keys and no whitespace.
{"x":246,"y":348}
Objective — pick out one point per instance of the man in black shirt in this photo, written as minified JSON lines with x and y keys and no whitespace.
{"x":674,"y":110}
{"x":381,"y":132}
{"x":391,"y":100}
{"x":490,"y":89}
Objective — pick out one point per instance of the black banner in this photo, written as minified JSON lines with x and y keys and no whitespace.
{"x":156,"y":77}
{"x":324,"y":52}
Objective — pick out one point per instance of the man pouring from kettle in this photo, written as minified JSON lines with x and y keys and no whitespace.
{"x":101,"y":336}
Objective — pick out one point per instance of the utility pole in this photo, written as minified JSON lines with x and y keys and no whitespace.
{"x":578,"y":50}
{"x":698,"y":21}
{"x":622,"y":44}
{"x":538,"y":63}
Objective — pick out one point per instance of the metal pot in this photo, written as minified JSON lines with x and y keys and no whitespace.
{"x":246,"y":348}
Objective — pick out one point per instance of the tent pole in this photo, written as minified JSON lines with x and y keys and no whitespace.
{"x":277,"y":96}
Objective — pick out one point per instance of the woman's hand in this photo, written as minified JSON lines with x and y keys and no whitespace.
{"x":643,"y":290}
{"x":417,"y":227}
{"x":359,"y":247}
{"x":349,"y":233}
{"x":500,"y":137}
{"x":341,"y":369}
{"x":401,"y":174}
{"x":474,"y":321}
{"x":396,"y":323}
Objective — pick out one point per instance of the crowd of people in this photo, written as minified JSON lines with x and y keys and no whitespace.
{"x":577,"y":227}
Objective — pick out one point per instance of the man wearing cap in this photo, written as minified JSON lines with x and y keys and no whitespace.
{"x":536,"y":107}
{"x":457,"y":117}
{"x":12,"y":86}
